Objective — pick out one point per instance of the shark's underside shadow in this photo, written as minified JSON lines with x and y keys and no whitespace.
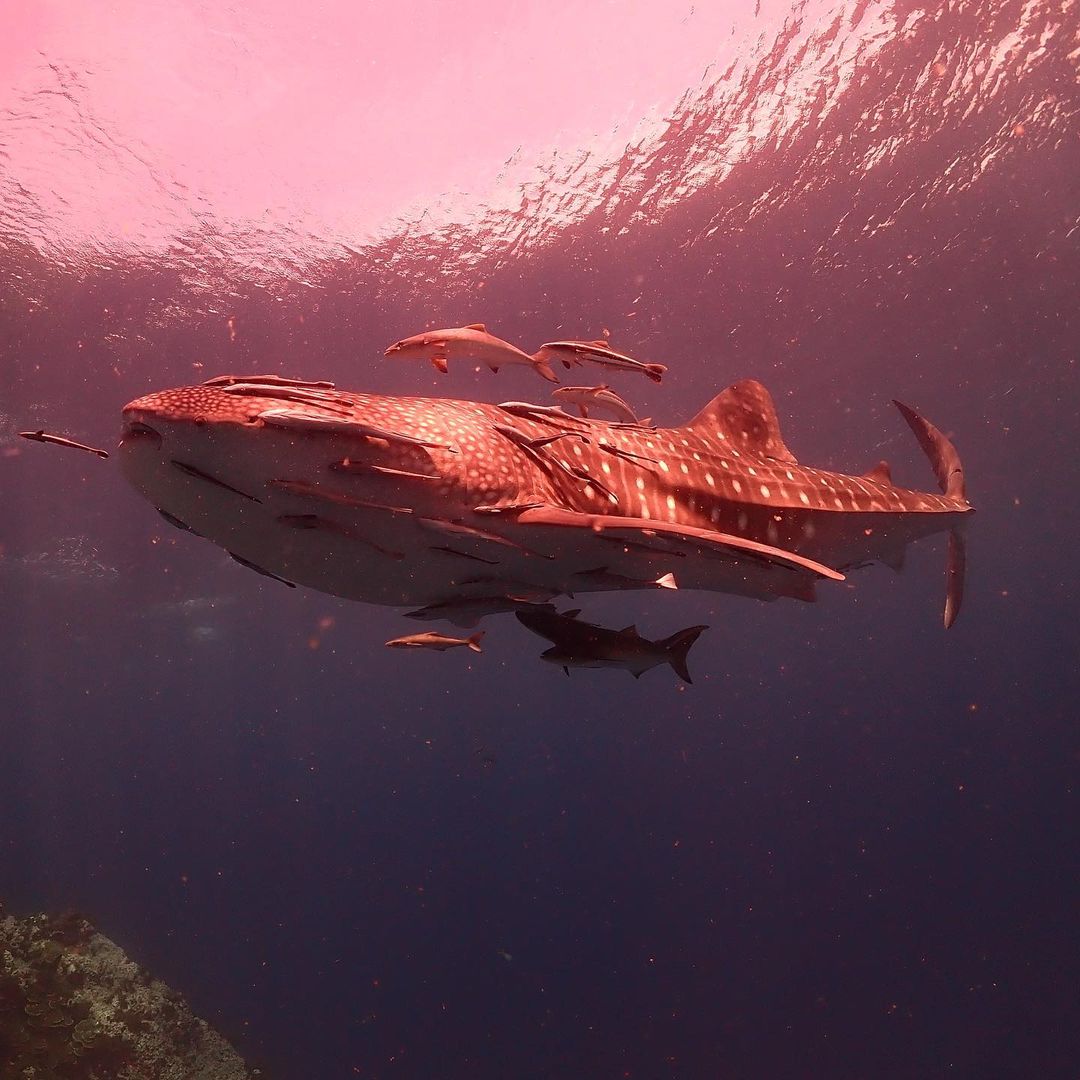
{"x":463,"y":509}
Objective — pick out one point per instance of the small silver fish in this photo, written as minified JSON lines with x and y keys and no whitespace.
{"x":439,"y":642}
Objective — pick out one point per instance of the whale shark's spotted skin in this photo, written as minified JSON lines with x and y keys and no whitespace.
{"x":310,"y":483}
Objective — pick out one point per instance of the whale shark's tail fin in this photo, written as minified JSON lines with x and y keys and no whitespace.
{"x":942,"y":454}
{"x":955,"y":563}
{"x":950,"y":477}
{"x":677,"y":647}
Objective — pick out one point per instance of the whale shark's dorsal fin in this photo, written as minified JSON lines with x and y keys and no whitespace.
{"x":477,"y":326}
{"x":880,"y":473}
{"x":744,"y":417}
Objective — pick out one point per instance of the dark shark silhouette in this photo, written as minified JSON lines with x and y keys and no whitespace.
{"x":576,"y":643}
{"x":402,"y":500}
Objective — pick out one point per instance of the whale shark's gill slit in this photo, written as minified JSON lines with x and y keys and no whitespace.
{"x":314,"y":522}
{"x":259,"y":570}
{"x":198,"y":474}
{"x":362,"y":468}
{"x":313,"y":491}
{"x":455,"y":528}
{"x":176,"y":523}
{"x":465,"y":555}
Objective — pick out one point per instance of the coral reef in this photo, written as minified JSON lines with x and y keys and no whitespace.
{"x":73,"y":1006}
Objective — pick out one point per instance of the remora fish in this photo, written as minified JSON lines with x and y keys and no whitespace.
{"x":60,"y":440}
{"x":581,"y":644}
{"x":720,"y":501}
{"x":597,"y":397}
{"x":472,"y":342}
{"x":598,"y":352}
{"x":438,"y":642}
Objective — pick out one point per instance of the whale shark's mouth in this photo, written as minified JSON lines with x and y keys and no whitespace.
{"x":135,"y":431}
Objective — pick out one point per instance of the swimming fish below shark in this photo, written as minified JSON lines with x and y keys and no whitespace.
{"x":576,"y":643}
{"x":430,"y":501}
{"x":438,"y":642}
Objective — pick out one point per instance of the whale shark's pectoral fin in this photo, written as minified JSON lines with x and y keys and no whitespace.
{"x":747,"y":566}
{"x":602,"y":523}
{"x":440,"y":362}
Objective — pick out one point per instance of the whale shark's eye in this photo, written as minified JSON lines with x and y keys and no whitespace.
{"x":199,"y":420}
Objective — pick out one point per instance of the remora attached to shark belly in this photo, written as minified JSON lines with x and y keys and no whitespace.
{"x":421,"y":501}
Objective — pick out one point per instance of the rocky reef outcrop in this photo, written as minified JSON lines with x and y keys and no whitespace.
{"x":74,"y":1006}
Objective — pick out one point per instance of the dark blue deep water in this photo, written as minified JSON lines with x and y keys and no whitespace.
{"x":848,"y":850}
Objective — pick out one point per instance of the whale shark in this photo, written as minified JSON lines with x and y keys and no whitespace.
{"x":432,"y":501}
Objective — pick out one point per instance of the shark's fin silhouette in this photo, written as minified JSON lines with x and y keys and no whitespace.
{"x":677,"y":647}
{"x":744,"y":417}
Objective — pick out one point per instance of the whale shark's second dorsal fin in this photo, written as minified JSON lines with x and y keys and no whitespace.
{"x":879,"y":474}
{"x":744,"y":417}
